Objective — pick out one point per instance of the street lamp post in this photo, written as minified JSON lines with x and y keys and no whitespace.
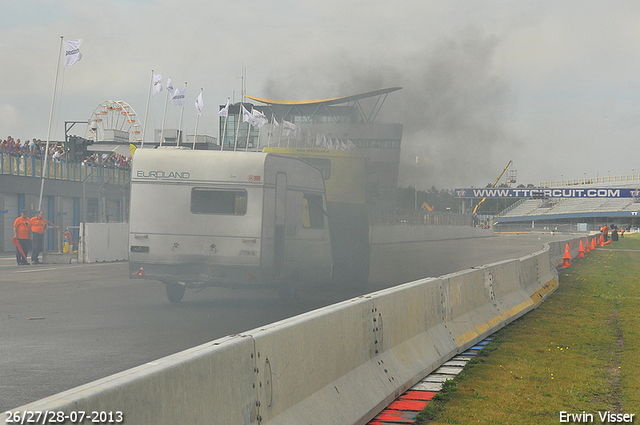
{"x":415,"y":185}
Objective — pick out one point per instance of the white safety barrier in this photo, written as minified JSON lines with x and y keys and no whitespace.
{"x":338,"y":365}
{"x":104,"y":242}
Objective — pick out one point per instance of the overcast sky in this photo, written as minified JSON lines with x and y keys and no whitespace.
{"x":553,"y":86}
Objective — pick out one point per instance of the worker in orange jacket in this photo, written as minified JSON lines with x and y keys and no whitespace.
{"x":38,"y":226}
{"x":605,"y":232}
{"x":22,"y":237}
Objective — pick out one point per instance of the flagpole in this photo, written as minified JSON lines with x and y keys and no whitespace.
{"x":164,"y":116}
{"x":53,"y":101}
{"x":246,"y":146}
{"x":181,"y":113}
{"x":271,"y":132}
{"x":235,"y":142}
{"x":224,"y":132}
{"x":146,"y":113}
{"x":259,"y":134}
{"x":195,"y":133}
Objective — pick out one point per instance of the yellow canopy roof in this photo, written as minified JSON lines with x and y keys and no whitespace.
{"x":331,"y":101}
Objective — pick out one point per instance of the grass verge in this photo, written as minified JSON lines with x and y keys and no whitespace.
{"x":576,"y":353}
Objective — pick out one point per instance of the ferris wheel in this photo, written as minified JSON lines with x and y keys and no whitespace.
{"x":114,"y":120}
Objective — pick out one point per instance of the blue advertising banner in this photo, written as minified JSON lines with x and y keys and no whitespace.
{"x":542,"y":192}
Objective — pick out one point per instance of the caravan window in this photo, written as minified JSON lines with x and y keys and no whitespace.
{"x":312,"y":212}
{"x":216,"y":201}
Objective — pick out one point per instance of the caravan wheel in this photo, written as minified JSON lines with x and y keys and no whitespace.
{"x":175,"y":291}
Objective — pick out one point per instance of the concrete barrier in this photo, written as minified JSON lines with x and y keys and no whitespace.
{"x":406,"y":233}
{"x":341,"y":364}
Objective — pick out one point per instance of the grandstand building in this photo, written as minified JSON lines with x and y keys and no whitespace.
{"x":74,"y":192}
{"x":576,"y":213}
{"x":348,"y":123}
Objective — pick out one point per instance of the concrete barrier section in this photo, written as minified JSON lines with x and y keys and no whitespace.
{"x":105,"y":242}
{"x":211,"y":383}
{"x":542,"y":276}
{"x":307,"y":366}
{"x":341,"y":364}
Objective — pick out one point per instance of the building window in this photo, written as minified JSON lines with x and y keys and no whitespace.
{"x":92,"y":210}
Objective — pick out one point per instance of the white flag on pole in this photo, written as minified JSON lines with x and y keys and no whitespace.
{"x":199,"y":104}
{"x":224,"y":112}
{"x":157,"y":83}
{"x":178,"y":97}
{"x":289,"y":128}
{"x":169,"y":86}
{"x":248,"y":117}
{"x":72,"y":51}
{"x":260,"y":118}
{"x":288,"y":125}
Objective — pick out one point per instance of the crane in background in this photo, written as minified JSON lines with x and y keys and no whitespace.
{"x":510,"y":179}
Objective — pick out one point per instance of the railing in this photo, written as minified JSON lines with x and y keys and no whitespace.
{"x":591,"y":180}
{"x":27,"y":165}
{"x":511,"y":207}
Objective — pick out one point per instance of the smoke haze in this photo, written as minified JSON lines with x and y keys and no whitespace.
{"x":454,"y":108}
{"x":548,"y":85}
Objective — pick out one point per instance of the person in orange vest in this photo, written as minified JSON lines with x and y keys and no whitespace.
{"x":38,"y":226}
{"x":605,"y":232}
{"x":622,"y":233}
{"x":22,"y":234}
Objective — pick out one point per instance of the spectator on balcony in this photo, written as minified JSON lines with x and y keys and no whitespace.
{"x":16,"y":147}
{"x":57,"y":155}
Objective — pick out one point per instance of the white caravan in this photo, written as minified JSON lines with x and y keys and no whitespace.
{"x":233,"y":219}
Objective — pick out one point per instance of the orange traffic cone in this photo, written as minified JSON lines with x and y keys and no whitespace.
{"x":566,"y":260}
{"x":587,"y":249}
{"x":581,"y":250}
{"x":593,"y":243}
{"x":601,"y":241}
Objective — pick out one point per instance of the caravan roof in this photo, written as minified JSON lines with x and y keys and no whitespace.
{"x":175,"y":164}
{"x":198,"y":166}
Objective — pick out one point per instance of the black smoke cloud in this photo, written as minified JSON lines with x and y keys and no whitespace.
{"x":453,"y":106}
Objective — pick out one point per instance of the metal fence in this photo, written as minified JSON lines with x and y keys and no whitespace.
{"x":591,"y":180}
{"x":27,"y":165}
